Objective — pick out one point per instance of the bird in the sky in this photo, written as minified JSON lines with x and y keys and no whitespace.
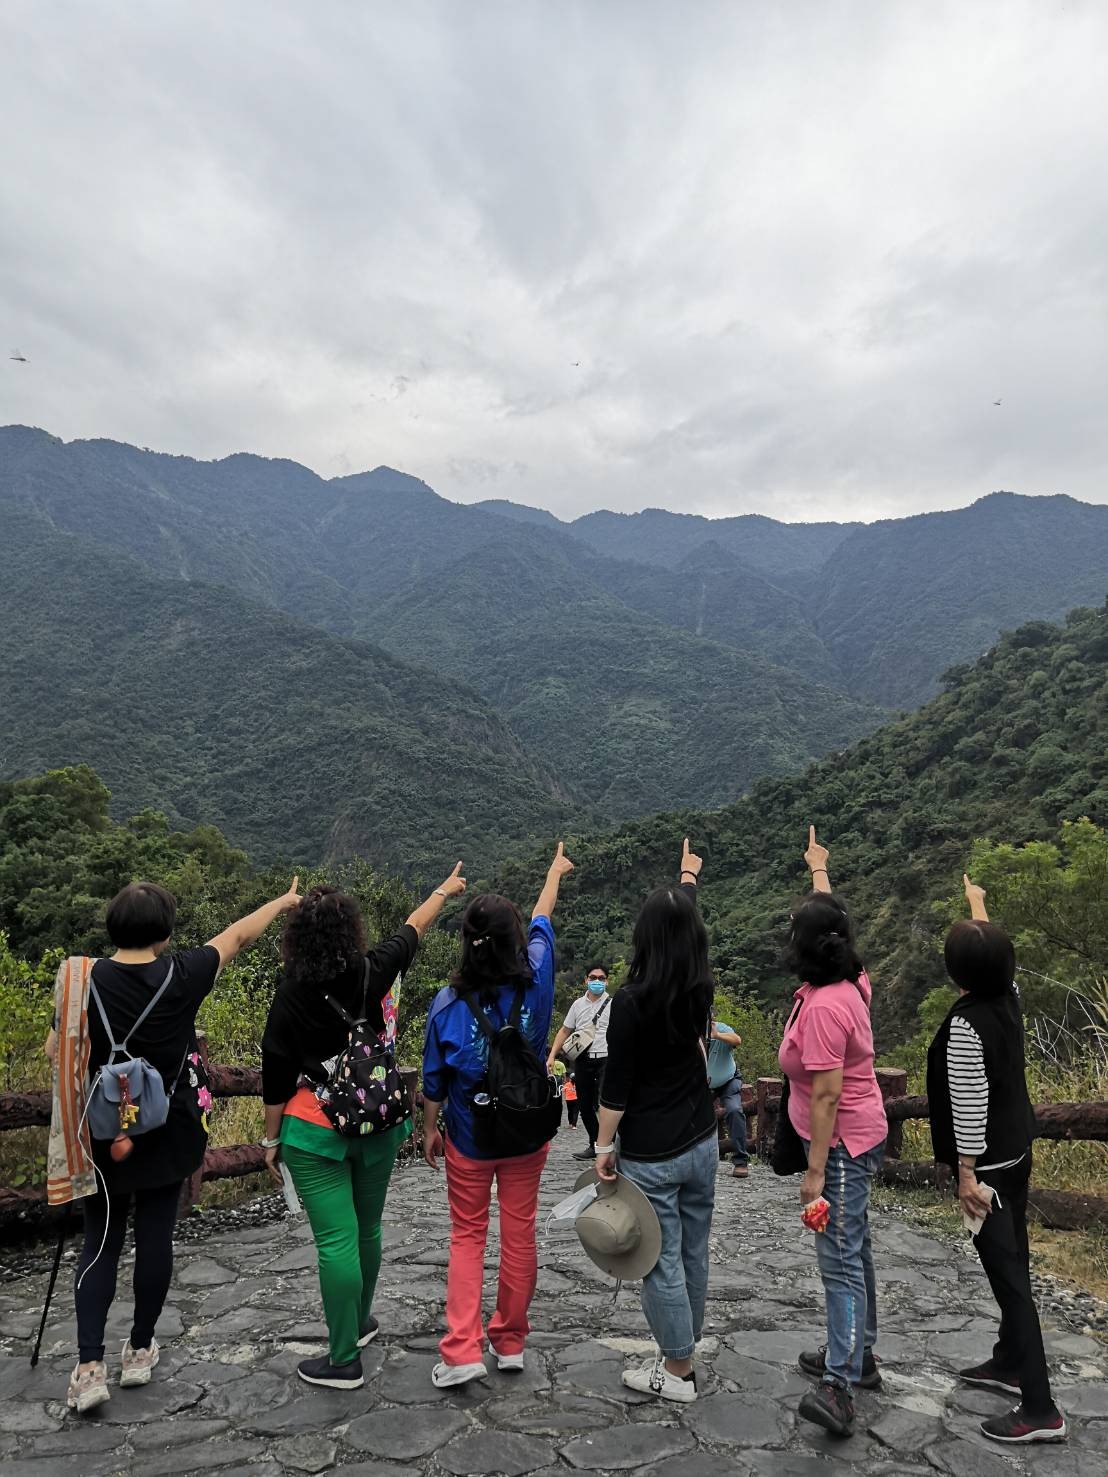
{"x":576,"y":364}
{"x":996,"y":402}
{"x":17,"y":357}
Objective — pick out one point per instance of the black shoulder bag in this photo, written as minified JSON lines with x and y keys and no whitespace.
{"x":788,"y":1156}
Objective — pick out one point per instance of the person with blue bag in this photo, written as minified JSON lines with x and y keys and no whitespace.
{"x":129,"y":1120}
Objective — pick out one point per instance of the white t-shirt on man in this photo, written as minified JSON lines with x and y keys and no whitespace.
{"x":581,"y":1013}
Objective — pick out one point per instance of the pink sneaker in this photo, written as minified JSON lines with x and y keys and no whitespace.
{"x":138,"y":1364}
{"x":89,"y":1388}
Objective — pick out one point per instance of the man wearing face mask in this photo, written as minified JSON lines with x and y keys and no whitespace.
{"x":590,"y":1009}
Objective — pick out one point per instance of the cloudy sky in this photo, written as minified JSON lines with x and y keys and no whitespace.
{"x":720,"y":257}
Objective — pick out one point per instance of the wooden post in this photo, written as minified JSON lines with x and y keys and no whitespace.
{"x":191,"y":1187}
{"x":769,"y":1100}
{"x":893,"y":1082}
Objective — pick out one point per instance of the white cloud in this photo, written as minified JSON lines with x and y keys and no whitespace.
{"x":721,"y":256}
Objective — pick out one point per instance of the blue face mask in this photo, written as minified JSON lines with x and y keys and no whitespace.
{"x":596,"y":987}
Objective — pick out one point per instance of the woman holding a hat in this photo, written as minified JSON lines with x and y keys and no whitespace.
{"x":655,"y":1093}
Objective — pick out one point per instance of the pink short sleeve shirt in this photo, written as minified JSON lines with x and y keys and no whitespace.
{"x":832,"y":1029}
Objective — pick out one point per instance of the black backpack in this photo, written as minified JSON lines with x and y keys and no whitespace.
{"x":364,"y":1093}
{"x":518,"y":1108}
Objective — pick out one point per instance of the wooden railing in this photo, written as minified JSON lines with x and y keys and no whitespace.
{"x":32,"y":1110}
{"x":1062,"y":1210}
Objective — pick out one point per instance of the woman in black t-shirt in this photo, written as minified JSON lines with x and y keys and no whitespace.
{"x":655,"y":1092}
{"x":139,"y":922}
{"x":342,"y":1180}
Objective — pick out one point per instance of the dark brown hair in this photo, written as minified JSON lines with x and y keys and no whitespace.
{"x":494,"y":948}
{"x":669,"y":975}
{"x":140,"y":914}
{"x":821,"y":950}
{"x":324,"y":938}
{"x":980,"y":958}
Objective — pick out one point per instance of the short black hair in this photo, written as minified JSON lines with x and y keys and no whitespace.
{"x":141,"y":914}
{"x":821,"y":949}
{"x":980,"y":958}
{"x":603,"y":968}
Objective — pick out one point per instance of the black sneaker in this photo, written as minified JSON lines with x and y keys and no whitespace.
{"x":829,"y":1406}
{"x":589,"y":1153}
{"x":334,"y":1376}
{"x":815,"y":1364}
{"x":1019,"y":1429}
{"x":987,"y":1377}
{"x":369,"y":1331}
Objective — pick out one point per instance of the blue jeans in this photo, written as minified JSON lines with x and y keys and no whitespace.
{"x":845,"y":1260}
{"x":730,"y":1097}
{"x":683,"y":1193}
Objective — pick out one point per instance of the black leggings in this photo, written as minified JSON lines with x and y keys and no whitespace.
{"x":587,"y":1072}
{"x":155,"y":1214}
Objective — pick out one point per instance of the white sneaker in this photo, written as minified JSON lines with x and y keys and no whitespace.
{"x":655,"y":1379}
{"x":508,"y":1363}
{"x":88,"y":1390}
{"x":138,"y":1364}
{"x":445,"y":1375}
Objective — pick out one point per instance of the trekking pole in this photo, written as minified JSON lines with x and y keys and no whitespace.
{"x":49,"y":1293}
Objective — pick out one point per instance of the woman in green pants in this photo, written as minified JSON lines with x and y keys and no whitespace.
{"x":342,"y":1181}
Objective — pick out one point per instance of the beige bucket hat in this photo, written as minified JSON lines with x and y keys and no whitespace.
{"x":619,"y":1230}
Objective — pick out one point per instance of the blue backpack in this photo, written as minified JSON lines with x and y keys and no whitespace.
{"x":128,"y":1096}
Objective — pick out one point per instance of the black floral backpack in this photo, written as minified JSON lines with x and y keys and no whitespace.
{"x":364,"y":1093}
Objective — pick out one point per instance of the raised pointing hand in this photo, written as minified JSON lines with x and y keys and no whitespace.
{"x":455,"y":884}
{"x":561,"y":866}
{"x":690,"y":862}
{"x":973,"y":892}
{"x":816,"y":855}
{"x":291,"y":898}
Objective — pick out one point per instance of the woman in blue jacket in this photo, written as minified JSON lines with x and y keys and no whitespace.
{"x":498,"y":960}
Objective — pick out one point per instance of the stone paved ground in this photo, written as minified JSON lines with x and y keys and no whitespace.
{"x":244,"y":1309}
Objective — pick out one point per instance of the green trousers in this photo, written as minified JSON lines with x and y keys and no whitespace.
{"x":344,"y":1199}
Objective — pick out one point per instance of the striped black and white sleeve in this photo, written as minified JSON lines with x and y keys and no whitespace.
{"x":969,"y":1087}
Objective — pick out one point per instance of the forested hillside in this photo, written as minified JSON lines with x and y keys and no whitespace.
{"x":632,"y":713}
{"x":191,"y":700}
{"x":901,"y":601}
{"x":1016,"y":743}
{"x":878,"y":610}
{"x":657,"y":536}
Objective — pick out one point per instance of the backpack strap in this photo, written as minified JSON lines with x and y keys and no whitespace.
{"x":347,"y":1017}
{"x":483,"y":1021}
{"x":517,"y":1008}
{"x":121,"y":1046}
{"x":603,"y":1008}
{"x":480,"y":1017}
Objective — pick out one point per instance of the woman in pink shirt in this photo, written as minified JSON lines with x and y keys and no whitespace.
{"x":835,"y":1106}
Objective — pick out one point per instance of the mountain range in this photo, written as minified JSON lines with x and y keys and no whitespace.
{"x":1015,"y":745}
{"x":360,"y":664}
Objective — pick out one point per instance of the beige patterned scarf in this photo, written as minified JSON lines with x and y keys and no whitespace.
{"x":69,"y":1169}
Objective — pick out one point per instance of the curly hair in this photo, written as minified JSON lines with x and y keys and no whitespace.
{"x":324,"y":938}
{"x":494,"y":948}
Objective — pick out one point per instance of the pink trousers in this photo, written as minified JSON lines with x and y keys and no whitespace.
{"x":469,"y":1191}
